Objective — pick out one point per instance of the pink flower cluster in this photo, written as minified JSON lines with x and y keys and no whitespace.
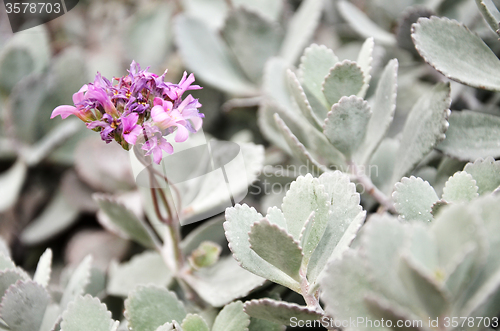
{"x":140,"y":106}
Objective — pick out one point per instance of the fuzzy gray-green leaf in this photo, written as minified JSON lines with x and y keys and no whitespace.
{"x":383,"y":108}
{"x":460,"y":188}
{"x":11,"y":183}
{"x":87,"y":313}
{"x":206,"y":54}
{"x":486,"y":173}
{"x":44,"y":268}
{"x":277,"y":247}
{"x":232,"y":318}
{"x":413,"y":199}
{"x":77,"y":283}
{"x":364,"y":61}
{"x":424,"y":128}
{"x":252,"y":39}
{"x":300,"y":29}
{"x":490,"y":13}
{"x":194,"y":322}
{"x":472,"y":135}
{"x":23,"y":306}
{"x":346,"y":124}
{"x":456,"y":52}
{"x":148,"y":307}
{"x":344,"y":79}
{"x":280,"y":312}
{"x":302,"y":101}
{"x":315,"y":64}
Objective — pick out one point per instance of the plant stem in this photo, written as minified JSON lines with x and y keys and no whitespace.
{"x":370,"y":188}
{"x":312,"y":299}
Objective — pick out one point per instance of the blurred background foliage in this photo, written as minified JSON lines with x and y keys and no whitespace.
{"x":49,"y":169}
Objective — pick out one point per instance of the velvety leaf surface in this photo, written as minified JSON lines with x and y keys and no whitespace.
{"x":413,"y":199}
{"x":23,"y":306}
{"x":382,"y":107}
{"x":490,"y":13}
{"x":87,"y":313}
{"x":232,"y":318}
{"x":194,"y":323}
{"x":364,"y":61}
{"x":301,"y":99}
{"x":253,"y":40}
{"x":142,"y":269}
{"x":364,"y":25}
{"x":239,"y":220}
{"x":205,"y":53}
{"x":485,"y":173}
{"x":315,"y":65}
{"x":300,"y":29}
{"x":57,"y":216}
{"x":77,"y":282}
{"x":279,"y":312}
{"x":9,"y":277}
{"x":44,"y":268}
{"x":441,"y":42}
{"x":460,"y":188}
{"x":11,"y":182}
{"x":424,"y":128}
{"x":344,"y":79}
{"x":346,"y":124}
{"x":472,"y":135}
{"x":148,"y":307}
{"x":117,"y":215}
{"x":277,"y":247}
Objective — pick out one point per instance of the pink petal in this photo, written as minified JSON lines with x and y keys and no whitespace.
{"x":64,"y":111}
{"x":166,"y":146}
{"x":159,"y":115}
{"x":197,"y":122}
{"x":182,"y":134}
{"x":80,"y":95}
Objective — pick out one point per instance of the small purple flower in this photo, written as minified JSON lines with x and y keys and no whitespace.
{"x":130,"y":128}
{"x":139,"y":102}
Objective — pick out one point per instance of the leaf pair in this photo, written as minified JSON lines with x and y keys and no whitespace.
{"x":319,"y":219}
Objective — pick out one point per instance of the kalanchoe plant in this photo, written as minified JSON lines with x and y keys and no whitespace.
{"x":141,"y":105}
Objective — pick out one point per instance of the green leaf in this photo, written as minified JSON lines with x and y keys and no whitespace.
{"x":6,"y":262}
{"x":11,"y":183}
{"x":383,"y":309}
{"x":298,"y":149}
{"x":301,"y":29}
{"x":271,"y":9}
{"x":382,"y":108}
{"x":126,"y":276}
{"x":363,"y":25}
{"x":239,"y":221}
{"x":117,"y":215}
{"x":44,"y":268}
{"x":345,"y":216}
{"x":344,"y":79}
{"x":223,"y":282}
{"x":280,"y":312}
{"x":205,"y":255}
{"x":211,"y":230}
{"x":87,"y":313}
{"x":148,"y":307}
{"x":277,"y":247}
{"x":430,"y":295}
{"x":9,"y":277}
{"x":194,"y":323}
{"x":315,"y":65}
{"x":305,"y":195}
{"x":460,"y":188}
{"x":301,"y":99}
{"x":55,"y":218}
{"x":382,"y":163}
{"x":232,"y":318}
{"x":252,"y":39}
{"x":440,"y":41}
{"x":346,"y":124}
{"x":485,"y":173}
{"x":472,"y":135}
{"x":414,"y":198}
{"x":4,"y":248}
{"x":23,"y":306}
{"x":257,"y":324}
{"x":424,"y":128}
{"x":490,"y":13}
{"x":77,"y":283}
{"x":364,"y":61}
{"x":206,"y":54}
{"x":344,"y":288}
{"x":150,"y":26}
